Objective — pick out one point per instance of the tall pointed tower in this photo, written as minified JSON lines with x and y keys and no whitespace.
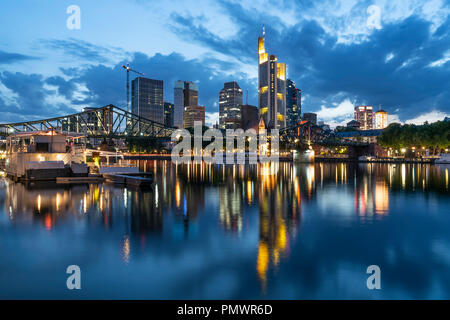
{"x":271,"y":87}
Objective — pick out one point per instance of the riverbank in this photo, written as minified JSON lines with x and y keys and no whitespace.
{"x":168,"y":157}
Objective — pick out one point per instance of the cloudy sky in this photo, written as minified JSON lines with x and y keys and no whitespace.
{"x":340,"y":53}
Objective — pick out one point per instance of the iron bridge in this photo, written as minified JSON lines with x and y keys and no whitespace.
{"x":104,"y":122}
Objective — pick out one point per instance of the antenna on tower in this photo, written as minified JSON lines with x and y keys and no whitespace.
{"x":264,"y":29}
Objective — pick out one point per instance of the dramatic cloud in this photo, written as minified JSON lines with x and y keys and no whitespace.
{"x":29,"y":98}
{"x":429,"y":117}
{"x":338,"y":114}
{"x":388,"y":68}
{"x":107,"y":85}
{"x":333,"y":55}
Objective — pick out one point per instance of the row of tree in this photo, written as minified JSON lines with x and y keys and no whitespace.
{"x":434,"y":136}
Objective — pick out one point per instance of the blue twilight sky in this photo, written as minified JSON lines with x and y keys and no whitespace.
{"x":338,"y":52}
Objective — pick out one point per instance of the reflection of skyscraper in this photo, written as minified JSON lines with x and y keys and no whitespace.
{"x":230,"y":98}
{"x":381,"y":197}
{"x":279,"y":213}
{"x":145,"y":216}
{"x":185,"y":94}
{"x":230,"y":207}
{"x":271,"y":87}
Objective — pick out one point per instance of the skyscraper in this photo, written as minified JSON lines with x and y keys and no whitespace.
{"x":230,"y":98}
{"x":168,"y":114}
{"x":147,"y":98}
{"x":293,"y":103}
{"x":271,"y":87}
{"x":311,"y":117}
{"x":381,"y":119}
{"x":192,"y":114}
{"x":185,"y":94}
{"x":249,"y":116}
{"x":364,"y":115}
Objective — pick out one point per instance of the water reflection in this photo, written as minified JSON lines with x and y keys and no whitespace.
{"x":232,"y":199}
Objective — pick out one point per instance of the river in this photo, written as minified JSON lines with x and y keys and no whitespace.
{"x":289,"y":231}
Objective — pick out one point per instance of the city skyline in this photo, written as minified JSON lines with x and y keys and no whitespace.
{"x":50,"y":70}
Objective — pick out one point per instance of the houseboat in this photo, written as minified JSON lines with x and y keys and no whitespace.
{"x":44,"y":155}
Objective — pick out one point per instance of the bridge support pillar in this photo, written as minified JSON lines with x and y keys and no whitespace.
{"x":306,"y":156}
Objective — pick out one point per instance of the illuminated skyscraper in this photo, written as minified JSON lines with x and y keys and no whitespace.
{"x":381,"y":119}
{"x":364,"y":115}
{"x":193,"y":114}
{"x":185,"y":94}
{"x":293,"y":103}
{"x":230,"y":98}
{"x":271,"y":87}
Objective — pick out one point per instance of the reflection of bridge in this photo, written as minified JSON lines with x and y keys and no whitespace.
{"x":108,"y":121}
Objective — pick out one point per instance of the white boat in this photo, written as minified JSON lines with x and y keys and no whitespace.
{"x":42,"y":155}
{"x":444,"y":159}
{"x":365,"y":158}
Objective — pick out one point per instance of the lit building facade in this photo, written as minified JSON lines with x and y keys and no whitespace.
{"x":293,"y":103}
{"x":185,"y":94}
{"x":230,"y":98}
{"x":381,"y":119}
{"x":192,"y":114}
{"x":147,"y":98}
{"x":364,"y":115}
{"x":271,"y":87}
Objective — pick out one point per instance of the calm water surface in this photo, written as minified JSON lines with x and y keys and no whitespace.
{"x":213,"y":232}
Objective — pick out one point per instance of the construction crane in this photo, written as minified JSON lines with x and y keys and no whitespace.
{"x":128,"y":69}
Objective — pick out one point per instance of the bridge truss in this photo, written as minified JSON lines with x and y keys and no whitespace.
{"x":104,"y":122}
{"x":305,"y":133}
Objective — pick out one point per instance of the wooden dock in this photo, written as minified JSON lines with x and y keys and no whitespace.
{"x":130,"y":179}
{"x":75,"y":180}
